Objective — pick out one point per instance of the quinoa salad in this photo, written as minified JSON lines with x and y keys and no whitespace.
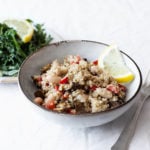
{"x":77,"y":86}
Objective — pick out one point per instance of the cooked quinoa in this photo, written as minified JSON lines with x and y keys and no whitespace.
{"x":77,"y":86}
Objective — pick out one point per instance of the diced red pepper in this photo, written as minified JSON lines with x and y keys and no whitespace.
{"x":78,"y":58}
{"x":65,"y":96}
{"x":50,"y":104}
{"x":64,"y":80}
{"x":39,"y":79}
{"x":95,"y":62}
{"x":57,"y":88}
{"x":122,"y":88}
{"x":112,"y":88}
{"x":93,"y":87}
{"x":77,"y":61}
{"x":71,"y":111}
{"x":73,"y":62}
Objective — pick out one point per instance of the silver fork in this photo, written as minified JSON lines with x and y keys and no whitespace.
{"x":125,"y":137}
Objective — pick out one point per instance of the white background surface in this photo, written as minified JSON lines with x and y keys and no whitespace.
{"x":125,"y":22}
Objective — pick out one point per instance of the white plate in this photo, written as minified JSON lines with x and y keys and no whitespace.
{"x":56,"y":38}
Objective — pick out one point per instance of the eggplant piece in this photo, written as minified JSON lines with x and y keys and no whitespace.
{"x":45,"y":68}
{"x":39,"y":93}
{"x":79,"y":107}
{"x":37,"y":80}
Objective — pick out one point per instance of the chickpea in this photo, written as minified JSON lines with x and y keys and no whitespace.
{"x":38,"y":100}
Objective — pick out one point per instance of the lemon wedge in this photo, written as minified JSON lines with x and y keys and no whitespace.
{"x":23,"y":28}
{"x":112,"y":61}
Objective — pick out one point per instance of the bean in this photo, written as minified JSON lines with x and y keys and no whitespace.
{"x":38,"y":100}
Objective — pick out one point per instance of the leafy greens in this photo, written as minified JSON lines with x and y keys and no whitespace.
{"x":13,"y":51}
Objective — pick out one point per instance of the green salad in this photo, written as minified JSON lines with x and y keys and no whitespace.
{"x":13,"y":50}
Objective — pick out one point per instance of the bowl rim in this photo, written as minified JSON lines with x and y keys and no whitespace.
{"x":82,"y":114}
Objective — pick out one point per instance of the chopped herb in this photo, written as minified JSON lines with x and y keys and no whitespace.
{"x":13,"y":50}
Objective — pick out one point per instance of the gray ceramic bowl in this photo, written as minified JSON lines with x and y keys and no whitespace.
{"x":90,"y":50}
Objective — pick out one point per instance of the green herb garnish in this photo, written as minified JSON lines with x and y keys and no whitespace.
{"x":13,"y":51}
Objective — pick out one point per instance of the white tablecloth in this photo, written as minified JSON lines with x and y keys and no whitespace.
{"x":125,"y":22}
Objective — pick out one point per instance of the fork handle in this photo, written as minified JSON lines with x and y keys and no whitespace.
{"x":125,"y":137}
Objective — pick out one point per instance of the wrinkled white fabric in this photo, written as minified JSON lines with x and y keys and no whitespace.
{"x":124,"y":22}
